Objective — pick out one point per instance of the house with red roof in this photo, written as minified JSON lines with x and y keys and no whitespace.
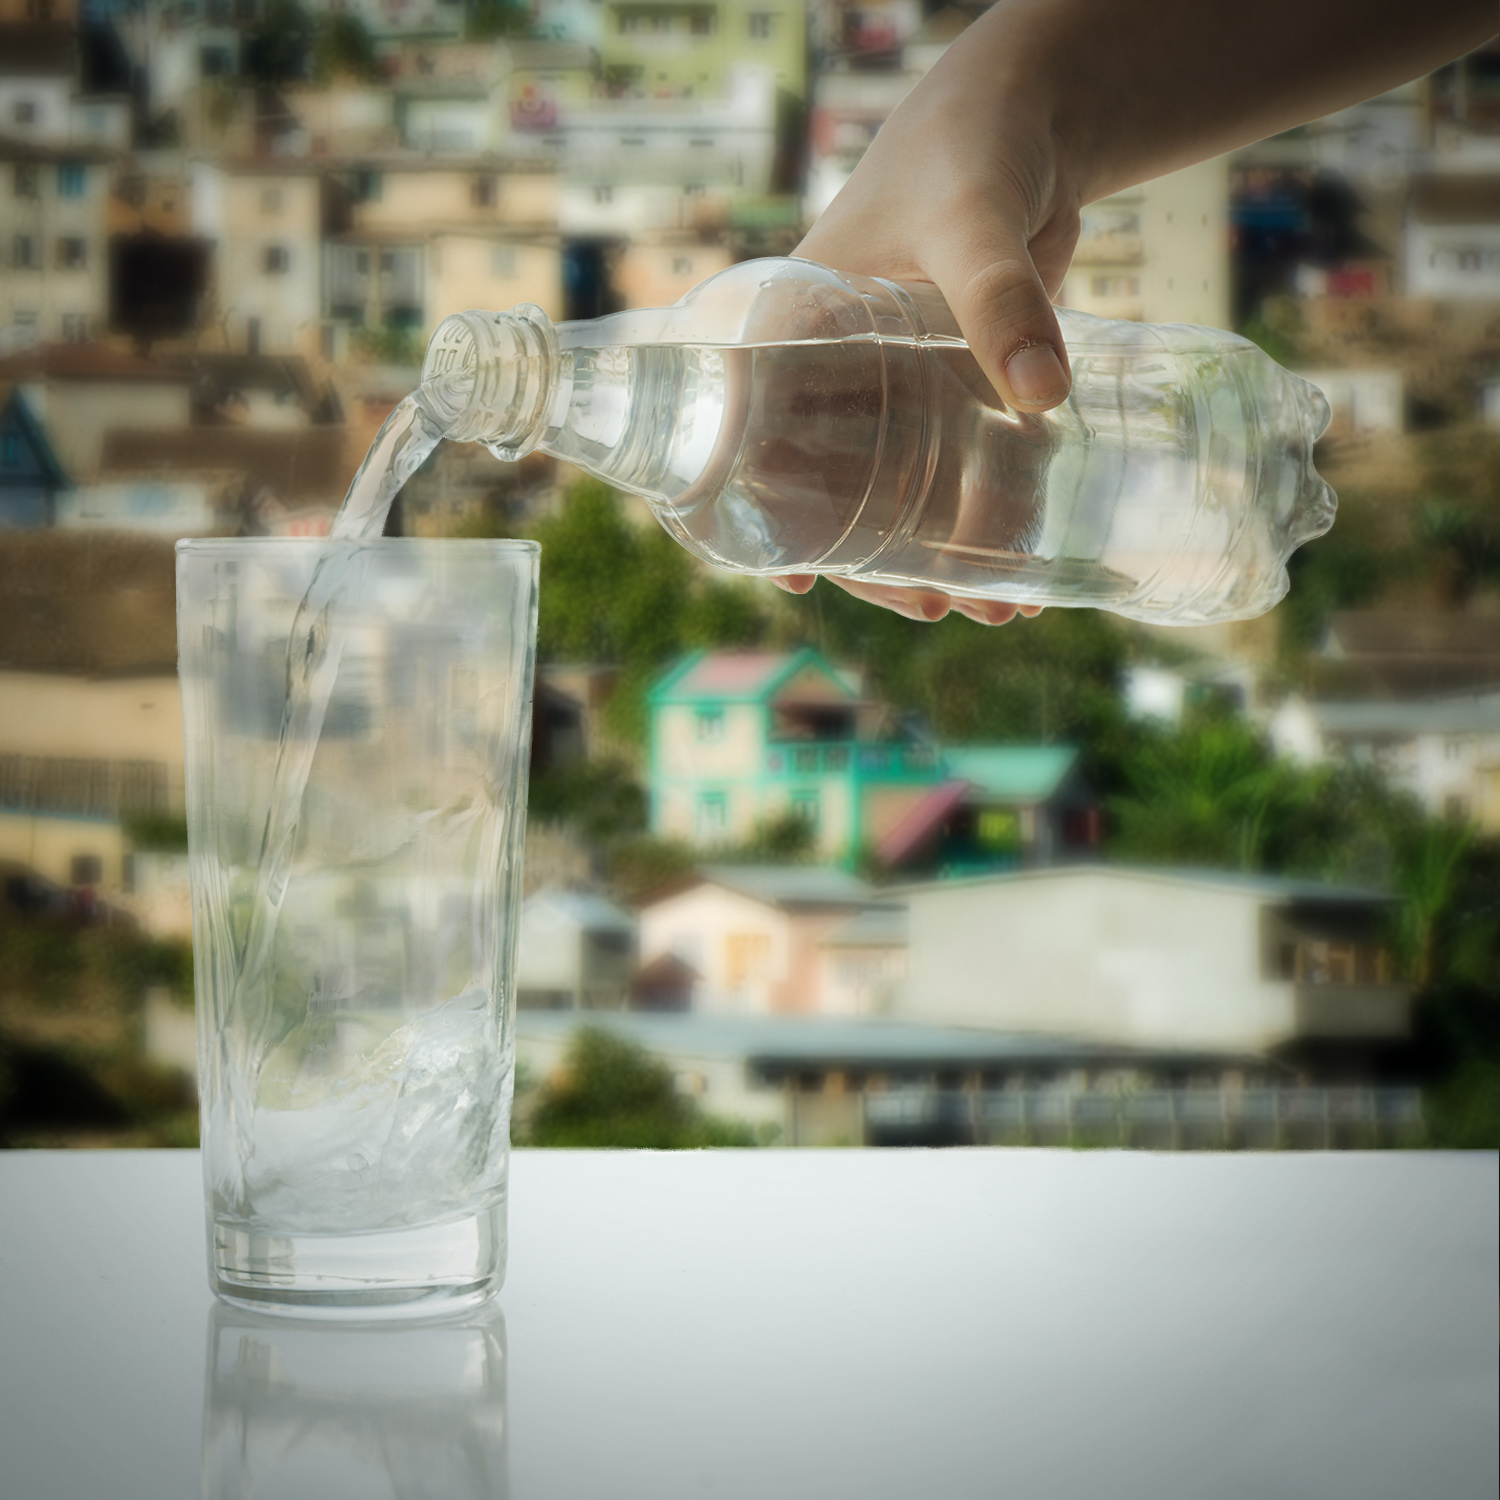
{"x":741,"y":740}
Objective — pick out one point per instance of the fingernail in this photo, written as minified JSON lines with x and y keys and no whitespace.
{"x":1036,"y":375}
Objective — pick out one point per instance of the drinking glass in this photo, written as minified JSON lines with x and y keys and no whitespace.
{"x":356,"y":718}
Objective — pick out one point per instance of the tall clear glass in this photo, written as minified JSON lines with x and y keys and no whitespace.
{"x":356,"y":717}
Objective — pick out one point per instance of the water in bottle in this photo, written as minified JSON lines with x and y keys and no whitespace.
{"x":784,"y":417}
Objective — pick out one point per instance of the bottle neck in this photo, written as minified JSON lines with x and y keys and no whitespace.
{"x":489,"y":377}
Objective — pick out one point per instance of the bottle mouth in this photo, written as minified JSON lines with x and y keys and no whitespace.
{"x":487,"y":375}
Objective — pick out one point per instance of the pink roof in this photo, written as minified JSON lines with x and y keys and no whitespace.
{"x":920,"y":820}
{"x":733,"y":672}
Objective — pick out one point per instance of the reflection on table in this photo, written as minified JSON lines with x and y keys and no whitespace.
{"x":366,"y":1410}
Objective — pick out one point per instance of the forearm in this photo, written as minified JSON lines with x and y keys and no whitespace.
{"x":1135,"y":88}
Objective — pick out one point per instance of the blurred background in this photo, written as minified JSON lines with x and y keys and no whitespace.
{"x":798,"y":871}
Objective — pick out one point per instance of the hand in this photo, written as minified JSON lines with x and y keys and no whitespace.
{"x":965,"y":187}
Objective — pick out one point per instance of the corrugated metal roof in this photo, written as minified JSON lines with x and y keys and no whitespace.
{"x":1468,"y":713}
{"x":787,"y":1042}
{"x":1011,"y":773}
{"x":790,"y":885}
{"x":1276,"y":887}
{"x":587,"y":909}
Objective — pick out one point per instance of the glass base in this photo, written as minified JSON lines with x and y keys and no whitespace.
{"x":422,"y":1271}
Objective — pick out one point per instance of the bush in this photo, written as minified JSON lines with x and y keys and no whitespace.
{"x":611,"y":1093}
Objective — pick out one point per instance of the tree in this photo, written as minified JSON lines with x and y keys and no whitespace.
{"x":344,"y":49}
{"x":279,"y":46}
{"x":611,"y":1093}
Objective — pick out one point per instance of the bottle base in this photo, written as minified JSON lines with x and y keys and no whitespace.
{"x":421,"y":1271}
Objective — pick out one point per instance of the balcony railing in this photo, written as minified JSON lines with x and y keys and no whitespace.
{"x":1189,"y":1118}
{"x":843,"y":758}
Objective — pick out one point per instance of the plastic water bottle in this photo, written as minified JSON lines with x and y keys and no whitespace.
{"x":784,"y":417}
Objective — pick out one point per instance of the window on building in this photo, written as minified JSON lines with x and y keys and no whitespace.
{"x":387,"y":262}
{"x":270,"y":200}
{"x":1457,"y":806}
{"x":713,"y":815}
{"x":85,"y":869}
{"x":362,"y":262}
{"x":26,"y":253}
{"x":27,"y":181}
{"x":603,"y":193}
{"x":710,"y":725}
{"x":1116,"y":286}
{"x":630,"y":22}
{"x":366,"y":186}
{"x":701,"y":23}
{"x":215,"y":62}
{"x":72,"y":253}
{"x":23,"y":112}
{"x":275,"y":260}
{"x":483,"y":192}
{"x":503,"y":261}
{"x":72,"y":179}
{"x":75,"y":328}
{"x":760,"y":24}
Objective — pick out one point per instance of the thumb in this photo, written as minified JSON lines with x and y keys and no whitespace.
{"x":1004,"y":313}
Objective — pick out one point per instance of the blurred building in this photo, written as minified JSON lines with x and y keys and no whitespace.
{"x":831,"y":1081}
{"x":1144,"y":957}
{"x":752,"y":934}
{"x":576,"y":951}
{"x":54,"y":270}
{"x":684,"y":49}
{"x":90,"y":712}
{"x":264,"y":220}
{"x":741,"y":740}
{"x":1444,"y":751}
{"x":1158,"y":252}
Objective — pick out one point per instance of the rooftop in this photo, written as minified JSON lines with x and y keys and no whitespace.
{"x":1467,"y":713}
{"x":1278,"y":888}
{"x":776,"y":1044}
{"x":1011,"y":773}
{"x":743,"y":676}
{"x":781,"y":885}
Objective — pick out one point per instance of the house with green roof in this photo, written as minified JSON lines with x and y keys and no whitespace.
{"x":744,"y":739}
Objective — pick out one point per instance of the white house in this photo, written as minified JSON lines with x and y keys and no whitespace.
{"x":1158,"y":252}
{"x":1445,"y":751}
{"x":753,"y":933}
{"x":576,"y":952}
{"x":1369,"y":400}
{"x":1452,"y":238}
{"x":1153,"y":958}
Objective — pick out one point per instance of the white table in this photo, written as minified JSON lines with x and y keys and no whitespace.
{"x":780,"y":1325}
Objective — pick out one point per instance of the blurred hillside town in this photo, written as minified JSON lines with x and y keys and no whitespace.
{"x":848,"y":879}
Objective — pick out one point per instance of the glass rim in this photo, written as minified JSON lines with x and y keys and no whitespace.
{"x":207,"y":544}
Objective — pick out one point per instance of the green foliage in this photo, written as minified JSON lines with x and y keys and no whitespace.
{"x":158,"y":833}
{"x":600,"y":798}
{"x":343,"y":48}
{"x":1213,"y":795}
{"x":610,"y":1093}
{"x":492,"y":18}
{"x":389,"y":345}
{"x":1277,"y":328}
{"x":639,"y":867}
{"x":1347,"y":568}
{"x":278,"y":47}
{"x":615,"y":592}
{"x":1463,"y":1111}
{"x":1042,"y":680}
